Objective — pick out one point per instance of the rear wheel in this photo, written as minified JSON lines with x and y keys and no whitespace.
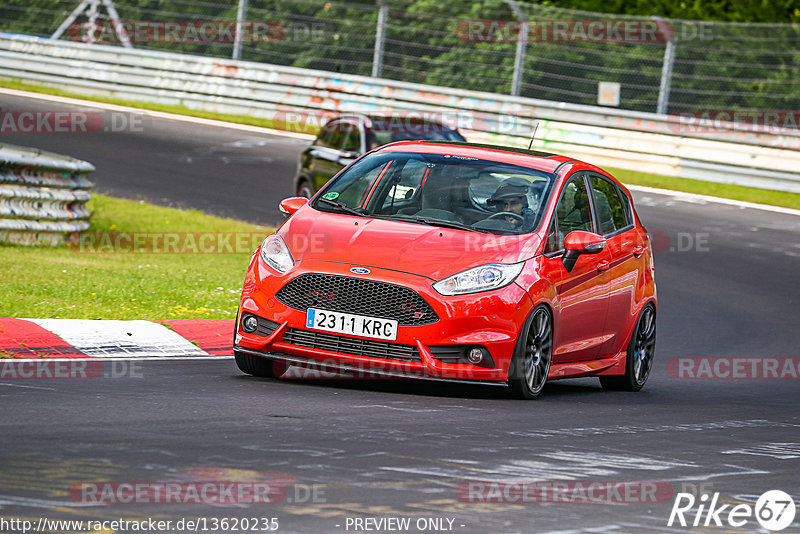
{"x":639,"y":360}
{"x":532,"y":359}
{"x":254,"y":365}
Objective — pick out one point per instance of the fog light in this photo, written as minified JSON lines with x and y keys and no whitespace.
{"x":475,"y":356}
{"x":249,"y":323}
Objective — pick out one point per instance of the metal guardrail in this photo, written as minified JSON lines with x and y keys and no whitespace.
{"x":647,"y":142}
{"x":42,"y":196}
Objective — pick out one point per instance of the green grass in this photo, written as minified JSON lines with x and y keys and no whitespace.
{"x":63,"y":282}
{"x":736,"y":192}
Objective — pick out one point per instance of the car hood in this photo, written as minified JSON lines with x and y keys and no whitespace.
{"x":420,"y":249}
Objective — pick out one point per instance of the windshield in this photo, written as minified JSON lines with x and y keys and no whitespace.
{"x":441,"y":190}
{"x":385,"y":132}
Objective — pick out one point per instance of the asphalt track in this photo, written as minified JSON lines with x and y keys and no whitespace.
{"x":728,"y":287}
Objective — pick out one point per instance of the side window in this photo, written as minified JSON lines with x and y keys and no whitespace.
{"x":324,"y":137}
{"x":352,"y":142}
{"x":552,"y":238}
{"x":611,"y":212}
{"x":626,"y":207}
{"x":340,"y":131}
{"x":573,"y":211}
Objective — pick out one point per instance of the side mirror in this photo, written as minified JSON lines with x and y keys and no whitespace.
{"x":579,"y":242}
{"x":289,"y":206}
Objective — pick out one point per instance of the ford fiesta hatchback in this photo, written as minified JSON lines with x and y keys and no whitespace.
{"x":459,"y":262}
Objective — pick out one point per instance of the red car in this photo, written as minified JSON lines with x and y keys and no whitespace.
{"x":456,"y":261}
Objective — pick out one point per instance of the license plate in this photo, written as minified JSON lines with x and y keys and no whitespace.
{"x":347,"y":323}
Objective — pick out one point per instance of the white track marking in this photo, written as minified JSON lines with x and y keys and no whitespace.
{"x":120,"y":338}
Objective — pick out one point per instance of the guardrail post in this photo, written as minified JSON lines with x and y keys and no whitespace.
{"x":241,"y":13}
{"x":666,"y":77}
{"x":380,"y":35}
{"x":522,"y":43}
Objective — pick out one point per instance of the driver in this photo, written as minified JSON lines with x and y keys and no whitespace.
{"x":512,"y":198}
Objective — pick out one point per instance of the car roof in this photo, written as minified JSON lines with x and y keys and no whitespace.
{"x":542,"y":161}
{"x":389,"y":116}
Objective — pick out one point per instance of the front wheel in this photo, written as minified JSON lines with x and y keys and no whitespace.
{"x":254,"y":365}
{"x":639,"y":360}
{"x":531,"y":362}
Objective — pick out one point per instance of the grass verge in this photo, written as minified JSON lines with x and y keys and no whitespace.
{"x":735,"y":192}
{"x":65,"y":282}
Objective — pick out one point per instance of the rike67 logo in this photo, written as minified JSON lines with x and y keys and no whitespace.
{"x":774,"y":510}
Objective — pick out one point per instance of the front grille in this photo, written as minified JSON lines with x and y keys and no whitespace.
{"x":351,"y":345}
{"x":357,"y":296}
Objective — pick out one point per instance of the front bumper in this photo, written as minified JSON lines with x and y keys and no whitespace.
{"x":491,"y":320}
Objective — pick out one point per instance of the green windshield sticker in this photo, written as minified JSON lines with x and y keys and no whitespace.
{"x":333,"y":195}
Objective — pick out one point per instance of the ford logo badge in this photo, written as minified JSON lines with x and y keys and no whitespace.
{"x":359,"y":270}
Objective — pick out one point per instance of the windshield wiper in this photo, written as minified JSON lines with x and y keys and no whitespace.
{"x":342,"y":207}
{"x":439,"y":222}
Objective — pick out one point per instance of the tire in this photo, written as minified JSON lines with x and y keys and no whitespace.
{"x":639,"y":358}
{"x":533,"y":355}
{"x":304,"y":189}
{"x":254,"y":365}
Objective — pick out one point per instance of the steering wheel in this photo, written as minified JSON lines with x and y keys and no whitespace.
{"x":503,"y":214}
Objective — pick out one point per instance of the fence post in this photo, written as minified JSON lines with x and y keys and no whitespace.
{"x":522,"y":43}
{"x":666,"y":75}
{"x":380,"y":35}
{"x":241,"y":13}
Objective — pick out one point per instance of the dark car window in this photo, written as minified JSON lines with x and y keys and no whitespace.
{"x":352,"y":142}
{"x":339,"y":134}
{"x":611,"y":212}
{"x":383,"y":133}
{"x":572,"y":213}
{"x":326,"y":134}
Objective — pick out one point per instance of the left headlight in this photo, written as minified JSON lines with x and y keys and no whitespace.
{"x":478,"y":279}
{"x":276,"y":254}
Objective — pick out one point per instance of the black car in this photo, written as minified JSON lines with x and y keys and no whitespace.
{"x":347,"y":136}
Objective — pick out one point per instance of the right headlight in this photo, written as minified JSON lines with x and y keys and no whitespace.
{"x":276,"y":254}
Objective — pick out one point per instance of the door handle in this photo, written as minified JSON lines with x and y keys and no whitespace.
{"x":603,"y":265}
{"x":638,"y":250}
